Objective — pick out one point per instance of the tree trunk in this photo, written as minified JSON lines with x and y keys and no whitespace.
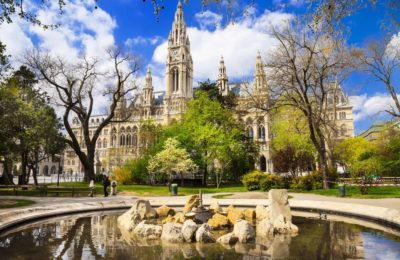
{"x":7,"y":176}
{"x":34,"y":174}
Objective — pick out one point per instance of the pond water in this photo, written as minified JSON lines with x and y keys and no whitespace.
{"x":97,"y":236}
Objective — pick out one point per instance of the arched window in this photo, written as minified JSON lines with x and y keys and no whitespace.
{"x":99,"y":144}
{"x":114,"y":141}
{"x":134,"y":139}
{"x":122,"y":140}
{"x":250,"y":133}
{"x":175,"y":80}
{"x":104,"y":143}
{"x":53,"y":170}
{"x":261,"y":132}
{"x":128,"y":140}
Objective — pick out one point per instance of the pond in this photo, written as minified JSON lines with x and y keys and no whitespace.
{"x":97,"y":236}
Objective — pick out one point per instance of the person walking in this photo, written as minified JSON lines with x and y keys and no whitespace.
{"x":92,"y":187}
{"x":106,"y":183}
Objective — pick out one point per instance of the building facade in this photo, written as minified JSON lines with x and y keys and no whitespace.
{"x":120,"y":142}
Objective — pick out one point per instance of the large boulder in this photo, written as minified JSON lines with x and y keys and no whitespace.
{"x":172,"y":232}
{"x":165,"y":211}
{"x":227,"y":239}
{"x":279,"y":212}
{"x":234,"y":214}
{"x":244,"y":231}
{"x":265,"y":228}
{"x":141,"y":210}
{"x":189,"y":230}
{"x":249,"y":214}
{"x":177,"y":218}
{"x":193,"y":201}
{"x":214,"y":207}
{"x":203,"y":234}
{"x":147,"y":231}
{"x":262,"y":212}
{"x":218,"y":221}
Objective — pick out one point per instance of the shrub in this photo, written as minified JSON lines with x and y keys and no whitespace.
{"x":271,"y":181}
{"x":122,"y":175}
{"x":138,"y":169}
{"x":312,"y":181}
{"x":252,"y":180}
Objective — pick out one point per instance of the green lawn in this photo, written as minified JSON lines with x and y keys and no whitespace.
{"x":148,"y":190}
{"x":354,"y":192}
{"x":13,"y":203}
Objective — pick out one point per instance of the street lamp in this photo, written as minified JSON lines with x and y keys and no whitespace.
{"x":59,"y":168}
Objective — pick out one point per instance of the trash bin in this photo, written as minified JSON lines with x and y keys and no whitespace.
{"x":174,"y":189}
{"x":342,"y":190}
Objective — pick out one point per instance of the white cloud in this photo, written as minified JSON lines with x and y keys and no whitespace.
{"x":208,"y":19}
{"x":366,"y":107}
{"x":295,"y":3}
{"x":238,"y":43}
{"x":140,"y":40}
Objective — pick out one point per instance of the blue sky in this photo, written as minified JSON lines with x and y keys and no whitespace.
{"x":132,"y":24}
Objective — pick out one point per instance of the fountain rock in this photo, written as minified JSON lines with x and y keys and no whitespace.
{"x":148,"y":231}
{"x":249,"y":214}
{"x":177,"y":218}
{"x":265,"y":228}
{"x":244,"y":231}
{"x":193,"y":201}
{"x":140,"y":210}
{"x":165,"y":211}
{"x":189,"y":230}
{"x":227,"y":239}
{"x":279,"y":212}
{"x":214,"y":207}
{"x":172,"y":232}
{"x":218,"y":221}
{"x":203,"y":234}
{"x":234,"y":214}
{"x":262,"y":212}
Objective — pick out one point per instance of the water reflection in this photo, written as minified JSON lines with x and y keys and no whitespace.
{"x":98,"y":237}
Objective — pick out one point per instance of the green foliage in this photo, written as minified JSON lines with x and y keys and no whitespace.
{"x":350,"y":150}
{"x":122,"y":175}
{"x":138,"y":169}
{"x":271,"y":181}
{"x":308,"y":182}
{"x":252,"y":180}
{"x":293,"y":150}
{"x":212,"y":91}
{"x":171,"y":160}
{"x":365,"y":170}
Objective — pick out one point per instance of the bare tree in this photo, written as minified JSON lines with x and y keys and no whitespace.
{"x":309,"y":62}
{"x":381,"y":59}
{"x":76,"y":85}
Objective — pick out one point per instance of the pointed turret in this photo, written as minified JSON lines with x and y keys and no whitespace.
{"x":222,"y":80}
{"x":260,"y":78}
{"x":148,"y":92}
{"x":120,"y":109}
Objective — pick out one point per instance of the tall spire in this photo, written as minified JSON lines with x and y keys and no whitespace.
{"x":260,"y":78}
{"x":177,"y":35}
{"x":222,"y":80}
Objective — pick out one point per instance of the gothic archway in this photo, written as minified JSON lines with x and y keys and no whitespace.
{"x":263,"y":163}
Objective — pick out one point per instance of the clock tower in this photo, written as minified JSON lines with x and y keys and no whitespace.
{"x":179,"y":68}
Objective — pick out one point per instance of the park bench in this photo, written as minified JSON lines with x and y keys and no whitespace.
{"x":73,"y":191}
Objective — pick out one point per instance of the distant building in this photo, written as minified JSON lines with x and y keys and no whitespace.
{"x":119,"y":142}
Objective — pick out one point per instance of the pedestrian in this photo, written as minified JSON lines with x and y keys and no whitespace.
{"x":106,"y":183}
{"x":92,"y":187}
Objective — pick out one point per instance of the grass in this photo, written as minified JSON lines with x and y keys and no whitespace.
{"x":148,"y":190}
{"x":14,"y":203}
{"x":354,"y":192}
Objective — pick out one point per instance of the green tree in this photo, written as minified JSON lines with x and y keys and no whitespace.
{"x":350,"y":150}
{"x":292,"y":149}
{"x":217,"y":135}
{"x":171,"y":161}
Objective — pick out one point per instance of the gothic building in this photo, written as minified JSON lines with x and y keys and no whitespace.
{"x":119,"y":142}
